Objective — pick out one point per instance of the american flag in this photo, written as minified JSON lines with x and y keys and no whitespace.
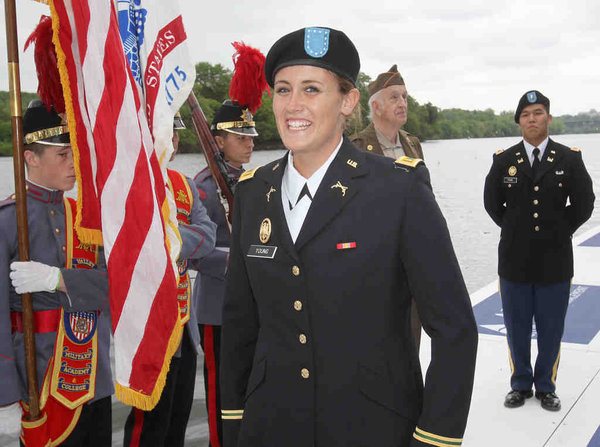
{"x":122,"y":198}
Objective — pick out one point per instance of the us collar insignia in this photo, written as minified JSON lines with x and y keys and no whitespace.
{"x":265,"y":230}
{"x":550,"y":159}
{"x":512,"y":171}
{"x":520,"y":160}
{"x":341,"y":187}
{"x":269,"y":193}
{"x":352,"y":163}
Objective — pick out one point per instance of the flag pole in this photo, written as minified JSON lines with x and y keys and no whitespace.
{"x":12,"y":43}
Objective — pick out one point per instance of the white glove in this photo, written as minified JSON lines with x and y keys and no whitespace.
{"x":31,"y":276}
{"x":10,"y":420}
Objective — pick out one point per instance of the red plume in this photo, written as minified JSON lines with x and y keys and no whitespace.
{"x":49,"y":87}
{"x":248,"y":82}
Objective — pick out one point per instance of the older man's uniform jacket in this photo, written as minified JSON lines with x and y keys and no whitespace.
{"x":88,"y":291}
{"x":367,"y":140}
{"x":536,"y":221}
{"x":317,"y":347}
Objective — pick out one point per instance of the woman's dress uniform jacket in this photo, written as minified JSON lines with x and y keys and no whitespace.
{"x":316,"y":343}
{"x":88,"y":291}
{"x":536,"y":220}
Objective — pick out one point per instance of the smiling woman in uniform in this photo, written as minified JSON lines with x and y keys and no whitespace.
{"x":328,"y":245}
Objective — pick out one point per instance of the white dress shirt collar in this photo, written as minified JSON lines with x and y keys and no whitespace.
{"x":530,"y":147}
{"x":291,"y":186}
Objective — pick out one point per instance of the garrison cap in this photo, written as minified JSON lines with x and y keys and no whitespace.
{"x":529,"y":98}
{"x":178,"y":123}
{"x":321,"y":47}
{"x":232,"y":118}
{"x":43,"y":126}
{"x":390,"y":77}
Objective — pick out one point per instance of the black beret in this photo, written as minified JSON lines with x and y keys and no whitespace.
{"x":529,"y":98}
{"x":231,"y":117}
{"x":321,"y":47}
{"x":43,"y":126}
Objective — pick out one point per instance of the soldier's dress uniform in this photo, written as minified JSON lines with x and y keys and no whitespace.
{"x":367,"y":140}
{"x":165,"y":425}
{"x":316,"y":345}
{"x":87,"y":291}
{"x":538,"y":215}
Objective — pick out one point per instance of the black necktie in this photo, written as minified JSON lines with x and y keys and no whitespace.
{"x":304,"y":192}
{"x":536,"y":161}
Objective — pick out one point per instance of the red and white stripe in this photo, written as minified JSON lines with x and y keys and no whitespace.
{"x":121,"y":192}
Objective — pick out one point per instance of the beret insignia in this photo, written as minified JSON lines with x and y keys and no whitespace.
{"x":532,"y":97}
{"x":408,"y":161}
{"x":575,"y":149}
{"x":316,"y":41}
{"x":248,"y":174}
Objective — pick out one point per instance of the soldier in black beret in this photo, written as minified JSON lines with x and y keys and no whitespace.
{"x":329,"y":243}
{"x":539,"y":192}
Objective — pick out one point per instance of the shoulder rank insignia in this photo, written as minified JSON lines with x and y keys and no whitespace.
{"x":575,"y":149}
{"x":408,"y":161}
{"x":499,"y":151}
{"x":248,"y":174}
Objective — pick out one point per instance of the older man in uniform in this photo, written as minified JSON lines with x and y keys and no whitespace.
{"x":389,"y":112}
{"x":165,"y":424}
{"x":234,"y":131}
{"x":539,"y":192}
{"x":65,"y":276}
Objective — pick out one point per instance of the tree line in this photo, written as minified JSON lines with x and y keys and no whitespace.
{"x":426,"y":121}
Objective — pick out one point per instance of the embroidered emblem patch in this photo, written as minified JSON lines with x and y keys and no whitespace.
{"x":316,"y":41}
{"x":531,"y":97}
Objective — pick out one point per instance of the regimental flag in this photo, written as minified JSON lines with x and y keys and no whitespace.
{"x":122,"y":194}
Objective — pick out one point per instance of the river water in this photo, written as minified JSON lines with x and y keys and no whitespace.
{"x":458,"y":169}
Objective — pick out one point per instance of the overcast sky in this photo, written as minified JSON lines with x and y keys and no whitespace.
{"x":463,"y":53}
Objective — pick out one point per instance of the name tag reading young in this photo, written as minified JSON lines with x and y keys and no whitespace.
{"x":262,"y":251}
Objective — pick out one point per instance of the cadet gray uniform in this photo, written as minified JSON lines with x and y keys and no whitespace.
{"x":88,"y":291}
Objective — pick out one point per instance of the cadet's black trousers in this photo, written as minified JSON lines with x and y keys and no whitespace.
{"x":547,"y":305}
{"x":210,"y":340}
{"x":165,"y":425}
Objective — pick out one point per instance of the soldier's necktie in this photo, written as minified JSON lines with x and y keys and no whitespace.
{"x":536,"y":162}
{"x":304,"y":192}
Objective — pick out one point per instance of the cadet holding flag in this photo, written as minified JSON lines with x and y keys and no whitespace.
{"x":316,"y":339}
{"x":70,"y":296}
